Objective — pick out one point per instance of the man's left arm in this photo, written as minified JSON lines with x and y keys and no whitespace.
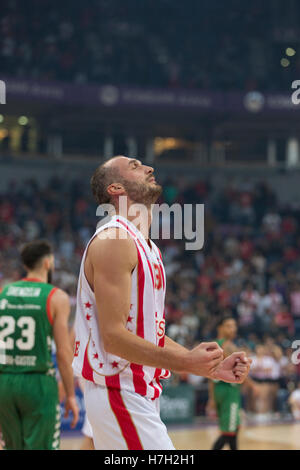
{"x":234,"y":369}
{"x":173,"y":346}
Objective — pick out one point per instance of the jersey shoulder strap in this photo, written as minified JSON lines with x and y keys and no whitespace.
{"x":220,"y":341}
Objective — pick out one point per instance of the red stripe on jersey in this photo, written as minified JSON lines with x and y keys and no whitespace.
{"x":159,"y":252}
{"x":151,"y":272}
{"x":161,"y":341}
{"x":128,"y":228}
{"x":156,"y":391}
{"x":149,"y":265}
{"x":140,"y":303}
{"x":162,"y":274}
{"x":160,"y":267}
{"x":161,"y":344}
{"x":48,"y":304}
{"x":87,"y":371}
{"x":113,"y":381}
{"x":122,"y":415}
{"x":158,"y":373}
{"x":166,"y":374}
{"x":139,"y":382}
{"x":159,"y":384}
{"x":140,"y":244}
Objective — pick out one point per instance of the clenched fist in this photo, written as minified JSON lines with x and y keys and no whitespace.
{"x":203,"y":359}
{"x":234,"y":369}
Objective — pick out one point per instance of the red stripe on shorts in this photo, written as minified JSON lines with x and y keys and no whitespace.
{"x":122,"y":415}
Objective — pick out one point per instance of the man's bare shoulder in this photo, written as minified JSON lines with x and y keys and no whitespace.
{"x":112,"y":244}
{"x":60,"y":304}
{"x":60,"y":296}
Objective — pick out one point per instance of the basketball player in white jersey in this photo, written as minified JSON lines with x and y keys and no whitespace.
{"x":120,"y":348}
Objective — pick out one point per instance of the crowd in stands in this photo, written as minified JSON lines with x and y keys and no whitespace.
{"x":208,"y":44}
{"x":249,"y":267}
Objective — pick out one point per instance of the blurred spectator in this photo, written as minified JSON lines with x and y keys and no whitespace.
{"x":129,"y":44}
{"x":294,"y":402}
{"x":295,"y":300}
{"x":265,"y":370}
{"x":247,"y":307}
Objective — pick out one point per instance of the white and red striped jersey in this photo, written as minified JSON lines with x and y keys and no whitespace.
{"x":146,"y":319}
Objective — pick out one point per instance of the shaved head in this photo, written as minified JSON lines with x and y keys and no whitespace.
{"x":106,"y":174}
{"x":135,"y":179}
{"x":115,"y":161}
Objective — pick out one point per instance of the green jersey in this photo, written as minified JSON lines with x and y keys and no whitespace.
{"x":228,"y":402}
{"x":220,"y":383}
{"x":26,"y":327}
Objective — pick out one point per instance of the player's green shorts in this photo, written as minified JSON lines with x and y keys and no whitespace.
{"x":29,"y":412}
{"x":228,"y":404}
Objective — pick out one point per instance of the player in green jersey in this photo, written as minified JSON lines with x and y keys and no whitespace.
{"x":225,"y":398}
{"x":32,"y":313}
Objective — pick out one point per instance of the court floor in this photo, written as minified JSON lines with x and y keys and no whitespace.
{"x":268,"y":437}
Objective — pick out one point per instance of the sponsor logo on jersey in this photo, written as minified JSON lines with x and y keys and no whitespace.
{"x":14,"y":291}
{"x":4,"y":305}
{"x":28,"y":361}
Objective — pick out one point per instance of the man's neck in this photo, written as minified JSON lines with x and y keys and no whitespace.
{"x":141,"y":218}
{"x":37,"y":275}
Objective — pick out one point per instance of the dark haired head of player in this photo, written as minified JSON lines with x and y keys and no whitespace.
{"x":123,"y":176}
{"x":227,"y":328}
{"x":38,"y":260}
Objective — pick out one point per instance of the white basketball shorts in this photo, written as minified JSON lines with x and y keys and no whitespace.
{"x":123,"y":420}
{"x":87,"y":428}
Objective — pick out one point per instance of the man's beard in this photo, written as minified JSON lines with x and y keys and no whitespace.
{"x":50,"y":276}
{"x":142,"y":193}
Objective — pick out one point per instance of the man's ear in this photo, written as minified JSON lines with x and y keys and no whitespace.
{"x":115,"y":189}
{"x":47,"y":263}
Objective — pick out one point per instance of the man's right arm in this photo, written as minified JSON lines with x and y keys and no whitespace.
{"x":113,"y":261}
{"x":60,"y":309}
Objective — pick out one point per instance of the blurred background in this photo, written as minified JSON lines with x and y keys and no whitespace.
{"x":202,"y":91}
